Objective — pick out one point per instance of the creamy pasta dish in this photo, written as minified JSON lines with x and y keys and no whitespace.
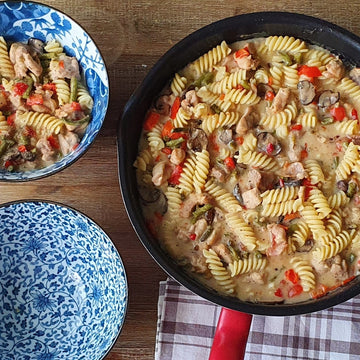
{"x":45,"y":106}
{"x":249,"y":167}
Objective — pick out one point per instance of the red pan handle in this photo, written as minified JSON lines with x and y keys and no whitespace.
{"x":231,"y":335}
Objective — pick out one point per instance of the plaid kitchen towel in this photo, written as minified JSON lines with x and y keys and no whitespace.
{"x":187,"y":323}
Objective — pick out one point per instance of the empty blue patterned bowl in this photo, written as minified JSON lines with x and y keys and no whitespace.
{"x":20,"y":20}
{"x":63,"y":287}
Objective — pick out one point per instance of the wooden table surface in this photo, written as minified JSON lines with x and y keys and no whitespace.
{"x":132,"y":35}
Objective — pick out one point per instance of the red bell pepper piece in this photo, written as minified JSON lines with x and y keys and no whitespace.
{"x":230,"y":163}
{"x":296,"y":127}
{"x":175,"y":107}
{"x":292,"y":276}
{"x":11,"y":119}
{"x":269,"y":95}
{"x":35,"y":99}
{"x":20,"y":88}
{"x":175,"y":175}
{"x":295,"y":290}
{"x":309,"y":71}
{"x":151,"y":121}
{"x":338,"y":113}
{"x":53,"y":142}
{"x":50,"y":86}
{"x":244,"y":52}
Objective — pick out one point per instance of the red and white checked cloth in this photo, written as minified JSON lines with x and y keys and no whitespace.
{"x":187,"y":323}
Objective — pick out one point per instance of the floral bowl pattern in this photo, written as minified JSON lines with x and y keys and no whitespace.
{"x":63,"y":287}
{"x":20,"y":20}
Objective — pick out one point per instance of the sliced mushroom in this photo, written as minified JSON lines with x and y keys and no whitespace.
{"x":226,"y":136}
{"x":148,"y":193}
{"x":328,"y":98}
{"x":37,"y":45}
{"x":342,"y":185}
{"x":262,"y":89}
{"x":162,"y":105}
{"x":198,"y":140}
{"x":237,"y":194}
{"x":268,"y":143}
{"x":306,"y":92}
{"x":309,"y":243}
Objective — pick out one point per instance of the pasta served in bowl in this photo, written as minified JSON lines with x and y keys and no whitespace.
{"x":247,"y":170}
{"x":54,"y":91}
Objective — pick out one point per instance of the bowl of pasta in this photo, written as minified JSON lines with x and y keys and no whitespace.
{"x":54,"y":91}
{"x":239,"y":163}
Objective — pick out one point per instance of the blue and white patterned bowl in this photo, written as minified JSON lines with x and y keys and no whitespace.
{"x":63,"y":287}
{"x":20,"y":20}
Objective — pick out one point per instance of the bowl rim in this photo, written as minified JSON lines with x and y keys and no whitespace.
{"x":100,"y":229}
{"x":32,"y":173}
{"x":213,"y":31}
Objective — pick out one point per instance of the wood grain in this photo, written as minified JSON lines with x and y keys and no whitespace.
{"x":132,"y":35}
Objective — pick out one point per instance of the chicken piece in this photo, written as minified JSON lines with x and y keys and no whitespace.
{"x":334,"y":70}
{"x":192,"y":200}
{"x":254,"y":178}
{"x":251,"y":198}
{"x":199,"y":227}
{"x":246,"y":121}
{"x":191,"y":100}
{"x":45,"y":148}
{"x":198,"y":264}
{"x":218,"y":173}
{"x":294,"y":150}
{"x":23,"y":61}
{"x":278,"y":240}
{"x":223,"y":252}
{"x":339,"y":268}
{"x":161,"y":172}
{"x":246,"y":62}
{"x":280,"y":100}
{"x":68,"y":142}
{"x":295,"y":170}
{"x":256,"y":277}
{"x":355,"y":75}
{"x":177,"y":156}
{"x":65,"y":67}
{"x":17,"y":102}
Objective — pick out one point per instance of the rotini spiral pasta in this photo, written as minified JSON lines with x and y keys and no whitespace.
{"x":307,"y":119}
{"x":277,"y":75}
{"x":335,"y":246}
{"x":350,"y":88}
{"x":285,"y":43}
{"x":218,"y":271}
{"x":333,"y":224}
{"x":347,"y":127}
{"x":63,"y":91}
{"x":156,"y":143}
{"x":283,"y":208}
{"x":242,"y":230}
{"x":291,"y":76}
{"x":249,"y":143}
{"x":186,"y":183}
{"x":348,"y":162}
{"x":277,"y":119}
{"x":257,"y":160}
{"x":42,"y":123}
{"x":228,"y":82}
{"x":276,"y":196}
{"x":241,"y":96}
{"x":224,"y":199}
{"x":174,"y":200}
{"x":6,"y":67}
{"x":213,"y":99}
{"x":338,"y":200}
{"x":320,"y":203}
{"x":213,"y":122}
{"x":53,"y":46}
{"x":201,"y":170}
{"x":208,"y":60}
{"x":301,"y":233}
{"x":178,"y":84}
{"x":255,"y":262}
{"x":143,"y":160}
{"x":315,"y":171}
{"x":305,"y":272}
{"x":4,"y":126}
{"x":84,"y":98}
{"x":312,"y":219}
